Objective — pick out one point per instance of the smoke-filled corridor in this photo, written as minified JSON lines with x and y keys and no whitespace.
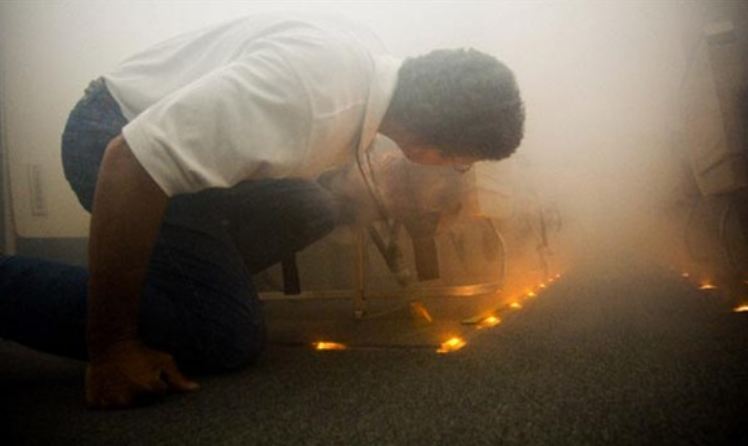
{"x":618,"y":351}
{"x":585,"y":284}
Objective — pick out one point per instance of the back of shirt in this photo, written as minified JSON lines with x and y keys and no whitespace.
{"x":267,"y":96}
{"x":143,"y":79}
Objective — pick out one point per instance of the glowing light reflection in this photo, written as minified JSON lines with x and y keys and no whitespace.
{"x":515,"y":305}
{"x":707,"y":286}
{"x":419,"y":310}
{"x":451,"y":345}
{"x":741,"y":309}
{"x":531,"y":294}
{"x":490,"y":321}
{"x":325,"y":345}
{"x":685,"y":275}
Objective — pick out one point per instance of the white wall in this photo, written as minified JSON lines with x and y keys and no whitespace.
{"x":599,"y":79}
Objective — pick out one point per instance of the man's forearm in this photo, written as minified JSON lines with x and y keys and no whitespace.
{"x":127,"y":212}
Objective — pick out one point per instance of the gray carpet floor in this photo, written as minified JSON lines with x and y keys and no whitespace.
{"x":617,"y":352}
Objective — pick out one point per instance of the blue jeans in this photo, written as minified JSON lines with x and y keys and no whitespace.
{"x":199,"y":303}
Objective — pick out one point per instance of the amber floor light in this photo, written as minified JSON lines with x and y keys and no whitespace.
{"x":326,"y":345}
{"x":488,"y":322}
{"x":451,"y":345}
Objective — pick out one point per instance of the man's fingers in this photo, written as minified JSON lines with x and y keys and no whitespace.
{"x":112,"y":402}
{"x":158,"y":386}
{"x":176,"y":380}
{"x":120,"y":402}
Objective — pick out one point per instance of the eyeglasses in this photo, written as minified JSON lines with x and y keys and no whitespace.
{"x":461,"y":168}
{"x":462,"y":164}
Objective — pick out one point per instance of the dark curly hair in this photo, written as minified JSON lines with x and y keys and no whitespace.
{"x":463,"y":101}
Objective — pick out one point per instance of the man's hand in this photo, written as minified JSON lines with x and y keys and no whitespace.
{"x":127,"y":212}
{"x":129,"y":373}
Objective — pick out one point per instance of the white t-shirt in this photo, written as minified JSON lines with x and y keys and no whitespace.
{"x":266,"y":96}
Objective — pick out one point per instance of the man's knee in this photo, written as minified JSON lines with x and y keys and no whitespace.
{"x":317,"y":214}
{"x":223,"y":346}
{"x":240,"y":346}
{"x":268,"y":220}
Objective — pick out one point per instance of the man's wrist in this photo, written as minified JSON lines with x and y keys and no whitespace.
{"x":104,"y":353}
{"x":112,"y":312}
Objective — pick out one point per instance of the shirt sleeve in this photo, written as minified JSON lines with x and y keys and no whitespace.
{"x":247,"y":120}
